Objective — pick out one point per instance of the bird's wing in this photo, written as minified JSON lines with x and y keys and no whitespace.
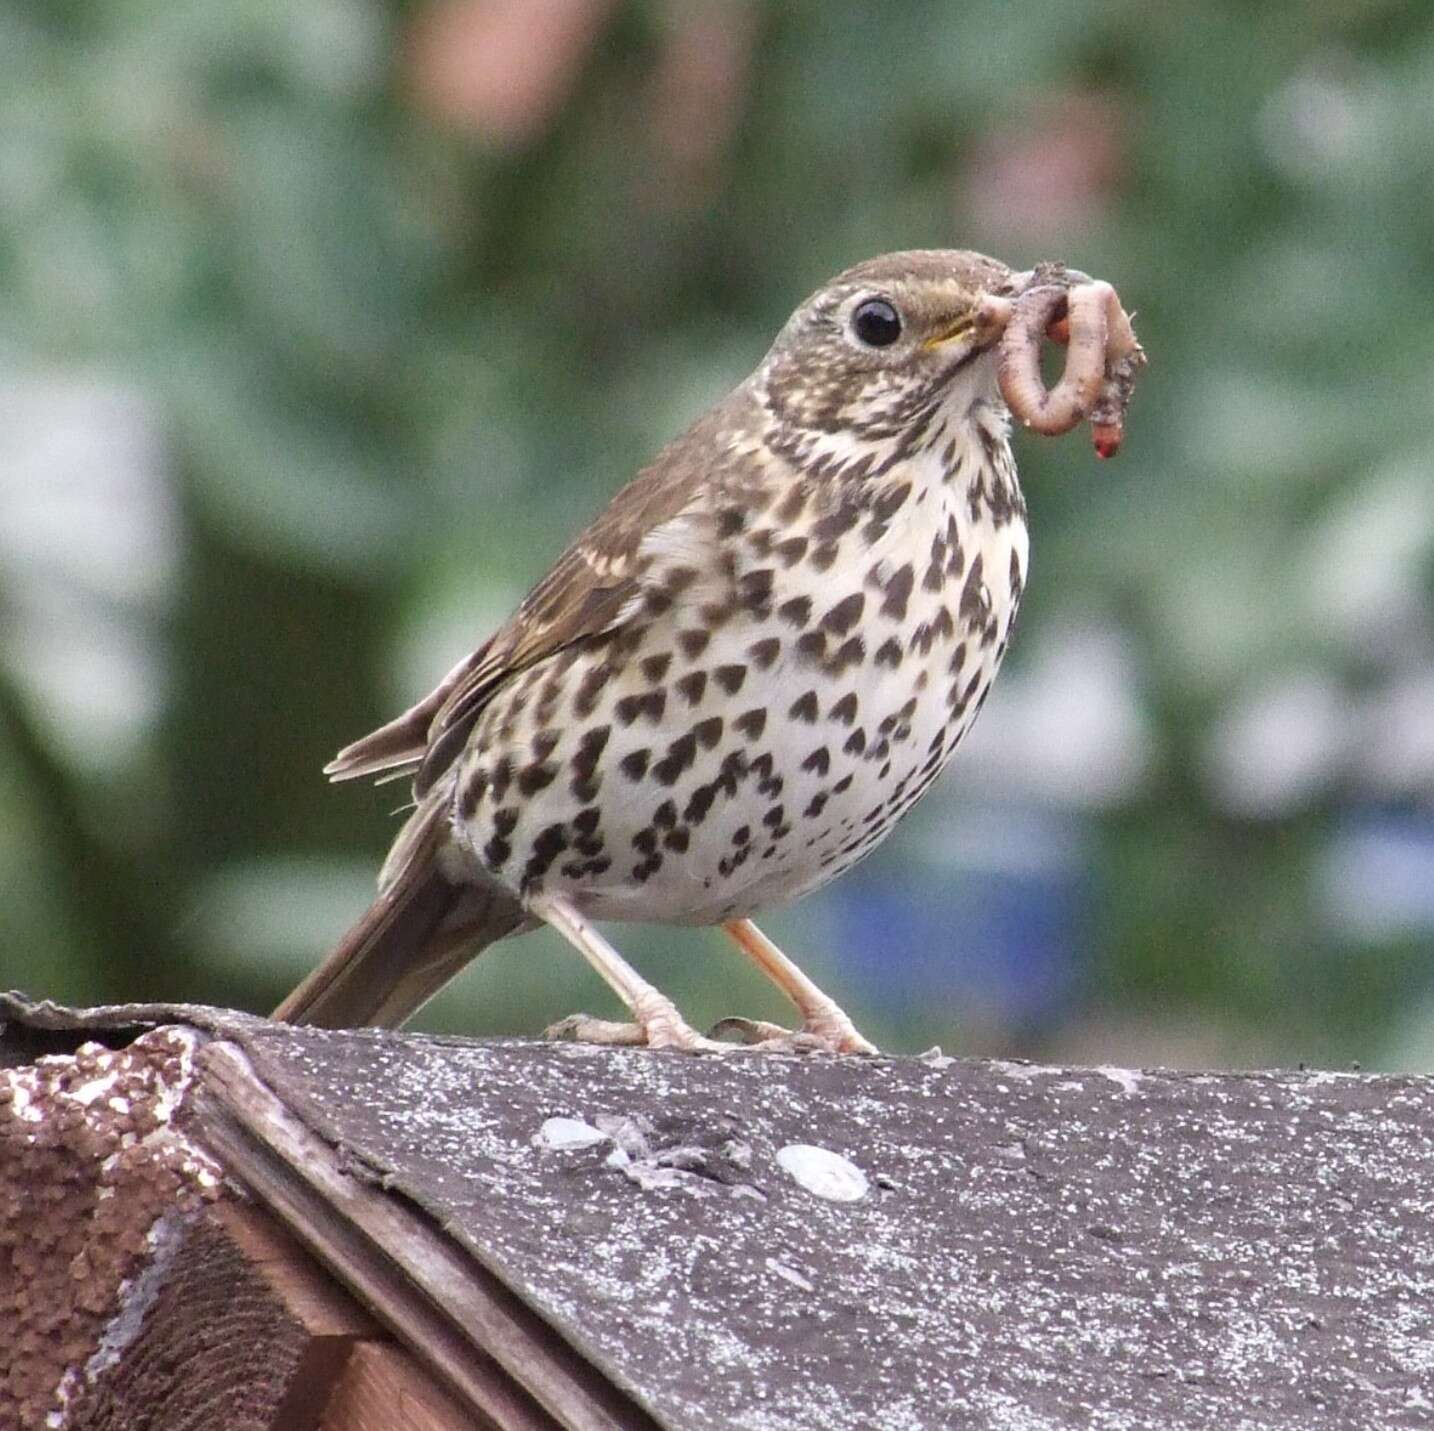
{"x":590,"y":589}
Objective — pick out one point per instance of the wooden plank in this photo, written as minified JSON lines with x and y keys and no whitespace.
{"x":309,"y":1295}
{"x":384,"y":1390}
{"x":332,"y":1323}
{"x":495,"y":1353}
{"x":214,"y":1340}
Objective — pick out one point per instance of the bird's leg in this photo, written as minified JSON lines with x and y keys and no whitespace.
{"x":823,"y":1019}
{"x":657,"y":1023}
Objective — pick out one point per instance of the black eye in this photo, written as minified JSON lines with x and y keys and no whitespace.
{"x":876,"y":323}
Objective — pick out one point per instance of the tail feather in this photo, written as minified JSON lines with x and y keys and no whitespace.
{"x":419,"y":932}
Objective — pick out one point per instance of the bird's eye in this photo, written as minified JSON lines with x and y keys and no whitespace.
{"x":876,"y":323}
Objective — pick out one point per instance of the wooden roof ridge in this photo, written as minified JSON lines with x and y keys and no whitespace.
{"x":565,"y":1236}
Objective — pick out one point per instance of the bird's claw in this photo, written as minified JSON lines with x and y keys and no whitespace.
{"x":656,"y":1033}
{"x":759,"y":1034}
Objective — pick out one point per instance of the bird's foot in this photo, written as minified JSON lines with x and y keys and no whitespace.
{"x":660,"y":1028}
{"x":824,"y":1035}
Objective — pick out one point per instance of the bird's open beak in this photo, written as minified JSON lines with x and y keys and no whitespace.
{"x":984,"y":324}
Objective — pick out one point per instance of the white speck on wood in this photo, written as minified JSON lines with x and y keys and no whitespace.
{"x":823,"y":1173}
{"x":564,"y":1134}
{"x":789,"y":1274}
{"x":1127,"y":1079}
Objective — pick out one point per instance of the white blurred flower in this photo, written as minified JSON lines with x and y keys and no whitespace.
{"x":1279,"y":745}
{"x":88,"y":553}
{"x":1320,"y":121}
{"x":1068,"y":727}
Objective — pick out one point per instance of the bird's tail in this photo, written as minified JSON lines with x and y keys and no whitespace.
{"x":419,"y":932}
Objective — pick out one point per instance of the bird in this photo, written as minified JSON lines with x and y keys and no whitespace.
{"x":733,"y":684}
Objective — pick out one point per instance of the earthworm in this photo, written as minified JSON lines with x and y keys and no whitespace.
{"x":1101,"y":363}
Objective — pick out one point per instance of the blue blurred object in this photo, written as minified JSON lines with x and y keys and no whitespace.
{"x":983,"y":911}
{"x":1376,"y":879}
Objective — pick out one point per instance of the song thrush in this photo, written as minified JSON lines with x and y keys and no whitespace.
{"x":735,"y":681}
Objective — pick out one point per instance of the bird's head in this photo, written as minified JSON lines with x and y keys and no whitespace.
{"x":886,"y":344}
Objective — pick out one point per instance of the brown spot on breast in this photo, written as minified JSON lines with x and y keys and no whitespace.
{"x":852,"y":652}
{"x":819,"y":760}
{"x":812,"y":646}
{"x":889,"y":653}
{"x":502,"y":778}
{"x":756,"y":589}
{"x":1017,"y":581}
{"x":765,"y":652}
{"x":836,"y":524}
{"x":650,"y":704}
{"x":891,"y":502}
{"x":654,"y":668}
{"x":547,"y":845}
{"x":974,"y":598}
{"x":548,"y":699}
{"x":634,"y":764}
{"x":708,"y":732}
{"x":792,"y":505}
{"x":752,"y":723}
{"x":590,"y":747}
{"x":845,"y":614}
{"x":589,"y":688}
{"x":693,"y":642}
{"x":473,"y":791}
{"x":796,"y":612}
{"x":536,"y":777}
{"x":898,"y":593}
{"x":824,"y":556}
{"x":700,"y":803}
{"x":730,"y":678}
{"x":680,"y":755}
{"x":691,"y":686}
{"x":844,"y":710}
{"x":804,"y":707}
{"x":791,"y":551}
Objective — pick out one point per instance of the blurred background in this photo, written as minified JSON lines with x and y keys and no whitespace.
{"x":324,"y":324}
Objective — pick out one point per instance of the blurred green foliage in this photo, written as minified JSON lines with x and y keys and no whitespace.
{"x":390,"y":360}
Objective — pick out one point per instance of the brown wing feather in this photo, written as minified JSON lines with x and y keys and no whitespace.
{"x":582,"y":595}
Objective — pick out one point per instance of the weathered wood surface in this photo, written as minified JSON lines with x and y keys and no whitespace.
{"x":1035,"y":1248}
